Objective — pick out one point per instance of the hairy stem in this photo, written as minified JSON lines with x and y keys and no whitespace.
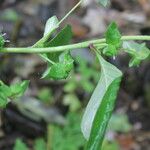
{"x":85,"y":44}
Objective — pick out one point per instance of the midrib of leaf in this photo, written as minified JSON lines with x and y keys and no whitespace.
{"x":108,"y":74}
{"x":102,"y":117}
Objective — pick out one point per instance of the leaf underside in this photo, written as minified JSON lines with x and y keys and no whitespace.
{"x":101,"y":104}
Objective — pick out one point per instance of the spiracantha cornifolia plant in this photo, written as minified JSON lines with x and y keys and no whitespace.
{"x":56,"y":52}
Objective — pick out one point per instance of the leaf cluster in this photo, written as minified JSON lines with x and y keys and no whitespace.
{"x":13,"y":91}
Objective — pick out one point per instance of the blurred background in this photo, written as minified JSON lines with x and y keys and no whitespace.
{"x":48,"y":116}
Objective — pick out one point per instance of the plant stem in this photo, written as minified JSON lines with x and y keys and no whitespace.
{"x":72,"y":10}
{"x":85,"y":44}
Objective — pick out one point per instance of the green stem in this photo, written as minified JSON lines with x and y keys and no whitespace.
{"x":85,"y":44}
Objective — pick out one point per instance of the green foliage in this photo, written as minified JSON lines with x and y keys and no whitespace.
{"x":69,"y":137}
{"x":101,"y":104}
{"x":50,"y":28}
{"x":62,"y":64}
{"x":119,"y":123}
{"x":39,"y":144}
{"x":9,"y":15}
{"x":113,"y":39}
{"x":61,"y":69}
{"x":51,"y":25}
{"x":62,"y":38}
{"x":104,"y":2}
{"x":72,"y":101}
{"x":20,"y":145}
{"x":45,"y":95}
{"x":137,"y":51}
{"x":2,"y":41}
{"x":110,"y":145}
{"x":11,"y":92}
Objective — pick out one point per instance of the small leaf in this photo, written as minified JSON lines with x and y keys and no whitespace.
{"x":51,"y":25}
{"x":20,"y":145}
{"x":11,"y":92}
{"x":113,"y":35}
{"x":5,"y":90}
{"x":100,"y":106}
{"x":2,"y":41}
{"x":62,"y":38}
{"x":110,"y":50}
{"x":66,"y":59}
{"x":24,"y":86}
{"x":137,"y":51}
{"x":113,"y":39}
{"x":18,"y":89}
{"x":61,"y":69}
{"x":57,"y":72}
{"x":104,"y":2}
{"x":50,"y":28}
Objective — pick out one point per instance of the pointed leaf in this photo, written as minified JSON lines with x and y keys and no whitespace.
{"x":101,"y":104}
{"x":50,"y":28}
{"x":137,"y":51}
{"x":62,"y":38}
{"x":11,"y":92}
{"x":51,"y":25}
{"x":56,"y":71}
{"x":61,"y":69}
{"x":113,"y":35}
{"x":113,"y":39}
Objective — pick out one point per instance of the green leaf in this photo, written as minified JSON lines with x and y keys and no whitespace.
{"x":137,"y":51}
{"x":50,"y":28}
{"x":18,"y":89}
{"x":5,"y":90}
{"x":51,"y":25}
{"x":2,"y":41}
{"x":110,"y":145}
{"x":62,"y":38}
{"x":40,"y":144}
{"x":72,"y":101}
{"x":101,"y":104}
{"x":61,"y":69}
{"x":113,"y":39}
{"x":20,"y":145}
{"x":119,"y":122}
{"x":68,"y":137}
{"x":104,"y":2}
{"x":9,"y":15}
{"x":56,"y":71}
{"x":3,"y":100}
{"x":110,"y":50}
{"x":45,"y":95}
{"x":67,"y":60}
{"x":11,"y":92}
